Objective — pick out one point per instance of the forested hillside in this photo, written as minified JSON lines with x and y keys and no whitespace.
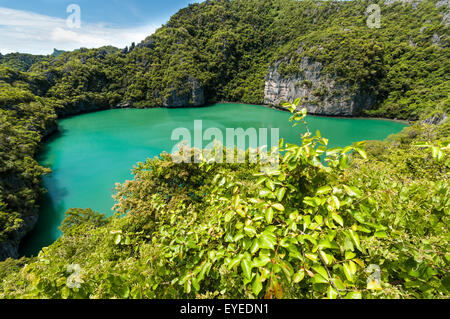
{"x":20,"y":61}
{"x":24,"y":119}
{"x":368,"y":224}
{"x":222,"y":51}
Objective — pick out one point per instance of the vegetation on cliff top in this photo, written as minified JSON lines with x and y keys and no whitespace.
{"x":226,"y":48}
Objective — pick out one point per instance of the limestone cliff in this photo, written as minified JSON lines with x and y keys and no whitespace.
{"x":322,"y":93}
{"x":10,"y":247}
{"x":193,"y":96}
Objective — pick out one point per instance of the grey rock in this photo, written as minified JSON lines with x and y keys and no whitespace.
{"x":10,"y":247}
{"x":194,"y":96}
{"x":436,"y":39}
{"x":414,"y":3}
{"x":334,"y":99}
{"x":441,"y":3}
{"x":436,"y":119}
{"x":446,"y":18}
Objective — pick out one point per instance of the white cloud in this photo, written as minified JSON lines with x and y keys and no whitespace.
{"x":28,"y":32}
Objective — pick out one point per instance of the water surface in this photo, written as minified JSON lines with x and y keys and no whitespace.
{"x":92,"y":152}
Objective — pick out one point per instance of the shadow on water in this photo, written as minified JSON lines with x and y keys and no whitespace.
{"x":43,"y":234}
{"x":47,"y":141}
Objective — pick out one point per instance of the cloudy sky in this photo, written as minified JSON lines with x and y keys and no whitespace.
{"x":39,"y":26}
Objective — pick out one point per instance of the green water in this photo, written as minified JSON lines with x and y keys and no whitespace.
{"x":94,"y":151}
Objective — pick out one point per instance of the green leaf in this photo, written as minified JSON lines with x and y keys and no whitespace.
{"x":267,"y":242}
{"x":333,"y":151}
{"x":65,"y":292}
{"x":343,"y":162}
{"x":324,"y":190}
{"x":246,"y":266}
{"x":353,"y":267}
{"x":435,"y":151}
{"x":338,"y":219}
{"x":321,"y":271}
{"x":235,"y":202}
{"x":234,"y":262}
{"x":352,"y":191}
{"x":124,"y":292}
{"x":229,"y":216}
{"x":309,"y":201}
{"x":278,"y":206}
{"x":347,"y":272}
{"x":261,"y":180}
{"x":118,"y":239}
{"x":238,"y":236}
{"x":264,"y":193}
{"x":250,"y":231}
{"x":381,"y":234}
{"x":255,"y":246}
{"x":326,"y":257}
{"x":332,"y":293}
{"x":312,"y":257}
{"x":362,"y":153}
{"x":257,"y":285}
{"x":319,"y":279}
{"x":348,"y":244}
{"x":373,"y":285}
{"x":270,"y":185}
{"x":335,"y":201}
{"x":347,"y":149}
{"x":354,"y":236}
{"x":187,"y":286}
{"x":349,"y":255}
{"x":261,"y":261}
{"x":353,"y":295}
{"x":269,"y":215}
{"x":298,"y":276}
{"x":310,"y":238}
{"x":280,"y":193}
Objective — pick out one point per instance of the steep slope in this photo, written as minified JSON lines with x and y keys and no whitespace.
{"x":269,"y":51}
{"x":24,"y":119}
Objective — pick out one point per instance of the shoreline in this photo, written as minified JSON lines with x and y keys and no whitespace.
{"x":280,"y":108}
{"x":54,"y":132}
{"x":273,"y":107}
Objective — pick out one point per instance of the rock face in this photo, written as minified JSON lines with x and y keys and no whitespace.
{"x":414,"y":3}
{"x":322,"y":94}
{"x":10,"y":247}
{"x":436,"y":119}
{"x":194,"y":96}
{"x":446,"y":14}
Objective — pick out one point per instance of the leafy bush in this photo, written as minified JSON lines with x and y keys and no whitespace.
{"x":356,"y":227}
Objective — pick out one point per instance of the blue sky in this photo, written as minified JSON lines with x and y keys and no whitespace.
{"x":38,"y":26}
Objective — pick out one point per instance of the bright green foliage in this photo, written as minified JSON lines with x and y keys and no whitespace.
{"x":365,"y":225}
{"x":24,"y":119}
{"x":20,"y":61}
{"x":365,"y":221}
